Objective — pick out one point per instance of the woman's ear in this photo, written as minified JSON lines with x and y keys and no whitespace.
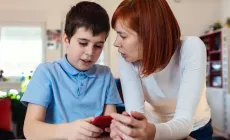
{"x":65,"y":40}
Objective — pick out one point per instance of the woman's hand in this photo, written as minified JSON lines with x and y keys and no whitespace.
{"x":130,"y":128}
{"x":114,"y":132}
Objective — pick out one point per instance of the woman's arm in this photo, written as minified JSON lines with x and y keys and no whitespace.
{"x":193,"y":68}
{"x":131,"y":86}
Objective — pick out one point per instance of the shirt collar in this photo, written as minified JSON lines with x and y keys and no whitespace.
{"x":73,"y":71}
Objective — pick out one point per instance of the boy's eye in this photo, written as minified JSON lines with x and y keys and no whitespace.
{"x":98,"y":46}
{"x":83,"y":44}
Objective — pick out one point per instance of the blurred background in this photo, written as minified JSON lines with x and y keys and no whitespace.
{"x":31,"y":33}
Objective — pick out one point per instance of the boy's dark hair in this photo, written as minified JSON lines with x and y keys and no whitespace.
{"x":89,"y":15}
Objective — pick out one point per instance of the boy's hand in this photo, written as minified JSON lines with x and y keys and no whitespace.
{"x":83,"y":130}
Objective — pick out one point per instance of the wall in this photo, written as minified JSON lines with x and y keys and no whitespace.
{"x":227,"y":110}
{"x":225,"y":10}
{"x":194,"y":17}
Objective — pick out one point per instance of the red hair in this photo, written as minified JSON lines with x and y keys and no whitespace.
{"x":157,"y":29}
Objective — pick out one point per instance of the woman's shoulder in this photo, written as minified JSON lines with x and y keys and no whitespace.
{"x":122,"y":64}
{"x":127,"y":69}
{"x":192,"y":45}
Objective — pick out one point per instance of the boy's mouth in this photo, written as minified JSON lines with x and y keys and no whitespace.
{"x":86,"y":62}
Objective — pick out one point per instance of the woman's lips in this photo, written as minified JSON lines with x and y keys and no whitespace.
{"x":124,"y":55}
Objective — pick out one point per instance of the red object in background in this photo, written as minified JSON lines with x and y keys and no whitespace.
{"x":5,"y":114}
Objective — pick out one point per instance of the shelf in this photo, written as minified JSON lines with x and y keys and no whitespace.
{"x":212,"y":33}
{"x":214,"y":61}
{"x":215,"y":86}
{"x":215,"y":73}
{"x":214,"y":52}
{"x":218,"y":76}
{"x":206,"y":41}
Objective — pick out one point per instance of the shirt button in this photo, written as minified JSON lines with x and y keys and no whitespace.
{"x":82,"y":84}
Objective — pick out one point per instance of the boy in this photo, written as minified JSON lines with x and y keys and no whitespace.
{"x":64,"y":96}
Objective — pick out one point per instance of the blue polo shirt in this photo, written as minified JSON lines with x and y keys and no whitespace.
{"x":69,"y":94}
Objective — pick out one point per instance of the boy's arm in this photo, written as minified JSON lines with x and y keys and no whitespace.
{"x":35,"y":128}
{"x":109,"y":109}
{"x":112,"y":96}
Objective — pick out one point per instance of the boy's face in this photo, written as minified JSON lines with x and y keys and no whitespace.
{"x":84,"y":49}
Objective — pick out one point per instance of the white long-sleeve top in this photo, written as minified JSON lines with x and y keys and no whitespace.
{"x":174,"y":99}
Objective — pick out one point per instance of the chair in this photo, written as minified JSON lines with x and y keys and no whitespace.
{"x":5,"y":111}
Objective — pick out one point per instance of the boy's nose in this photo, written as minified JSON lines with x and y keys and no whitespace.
{"x":89,"y":51}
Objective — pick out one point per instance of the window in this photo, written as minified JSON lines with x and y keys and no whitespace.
{"x":21,"y":49}
{"x":101,"y":59}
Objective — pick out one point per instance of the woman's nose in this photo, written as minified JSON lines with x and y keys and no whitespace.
{"x":116,"y":43}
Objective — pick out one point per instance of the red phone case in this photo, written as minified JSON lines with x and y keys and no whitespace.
{"x":102,"y":121}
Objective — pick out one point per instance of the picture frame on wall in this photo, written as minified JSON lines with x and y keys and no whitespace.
{"x":53,"y":39}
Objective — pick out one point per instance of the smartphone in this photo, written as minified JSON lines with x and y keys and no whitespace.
{"x":102,"y":121}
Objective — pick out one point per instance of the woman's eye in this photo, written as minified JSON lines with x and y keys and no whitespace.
{"x":123,"y":37}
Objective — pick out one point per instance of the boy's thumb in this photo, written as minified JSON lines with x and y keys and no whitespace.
{"x":90,"y":119}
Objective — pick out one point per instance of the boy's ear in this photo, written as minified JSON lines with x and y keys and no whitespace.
{"x":65,"y":40}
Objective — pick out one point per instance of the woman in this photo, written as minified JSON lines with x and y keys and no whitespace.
{"x":162,"y":76}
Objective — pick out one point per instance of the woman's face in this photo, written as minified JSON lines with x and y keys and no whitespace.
{"x":127,"y":42}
